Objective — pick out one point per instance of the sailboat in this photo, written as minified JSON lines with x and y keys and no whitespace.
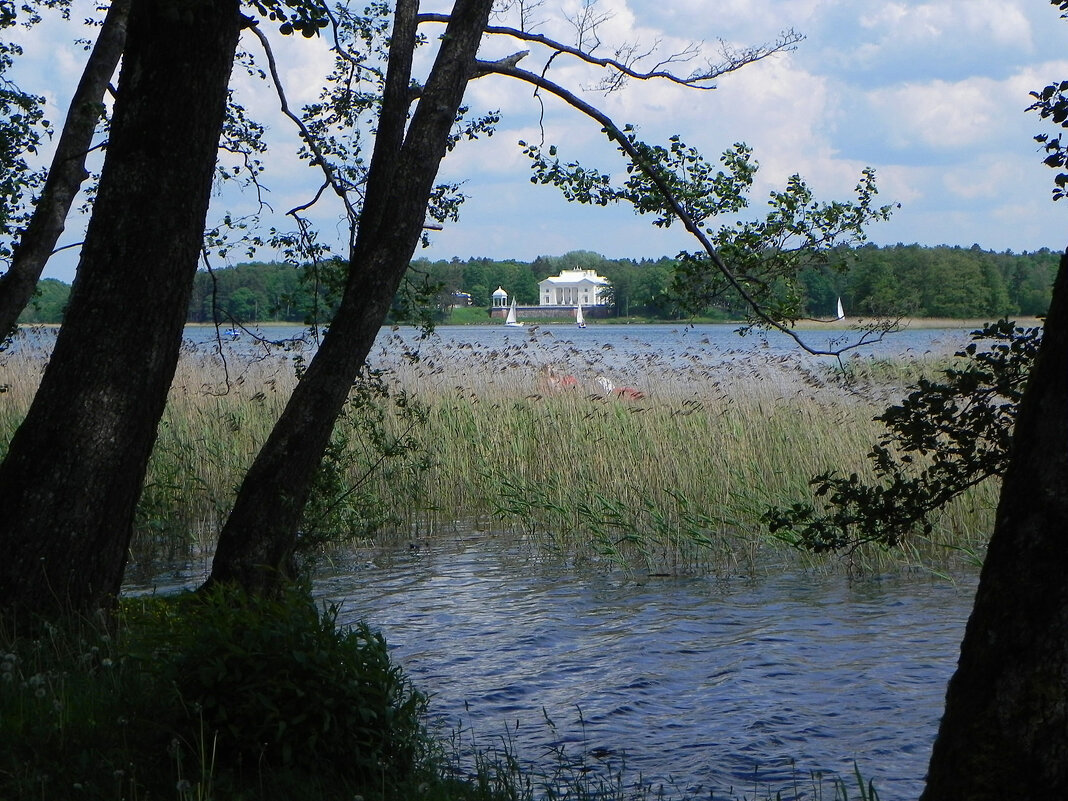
{"x":512,"y":321}
{"x":841,"y":311}
{"x":580,"y":321}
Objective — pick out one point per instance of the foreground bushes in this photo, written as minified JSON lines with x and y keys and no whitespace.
{"x":209,"y":697}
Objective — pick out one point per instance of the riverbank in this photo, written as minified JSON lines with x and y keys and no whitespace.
{"x":209,"y":697}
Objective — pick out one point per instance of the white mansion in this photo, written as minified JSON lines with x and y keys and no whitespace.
{"x":573,"y":287}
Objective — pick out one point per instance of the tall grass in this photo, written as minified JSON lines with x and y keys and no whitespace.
{"x":672,"y":481}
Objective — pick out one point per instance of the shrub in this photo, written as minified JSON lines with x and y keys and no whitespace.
{"x":273,"y":687}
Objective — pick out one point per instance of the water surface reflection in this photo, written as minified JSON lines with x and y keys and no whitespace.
{"x":698,"y":680}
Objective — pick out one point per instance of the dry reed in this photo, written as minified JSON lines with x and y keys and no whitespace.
{"x":523,"y":438}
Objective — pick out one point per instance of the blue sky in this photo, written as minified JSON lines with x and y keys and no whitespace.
{"x":930,"y":94}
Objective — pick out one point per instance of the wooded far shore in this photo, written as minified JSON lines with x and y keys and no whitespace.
{"x":900,"y":280}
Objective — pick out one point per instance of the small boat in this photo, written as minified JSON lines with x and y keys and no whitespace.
{"x":580,"y":321}
{"x":512,"y":321}
{"x":841,"y":311}
{"x":232,"y":334}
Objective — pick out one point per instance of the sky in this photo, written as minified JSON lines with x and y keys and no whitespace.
{"x":932,"y":95}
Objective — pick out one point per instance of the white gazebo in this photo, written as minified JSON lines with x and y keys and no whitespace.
{"x":500,"y":298}
{"x":573,"y":288}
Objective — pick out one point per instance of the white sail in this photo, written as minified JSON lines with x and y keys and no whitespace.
{"x":512,"y":321}
{"x":841,"y":311}
{"x":580,"y":321}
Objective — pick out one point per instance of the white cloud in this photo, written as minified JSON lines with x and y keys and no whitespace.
{"x":987,"y":179}
{"x":937,"y":114}
{"x":930,"y":93}
{"x":971,"y":20}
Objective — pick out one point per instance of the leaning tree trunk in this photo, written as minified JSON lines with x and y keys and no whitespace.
{"x":1005,"y":729}
{"x":67,"y":172}
{"x":70,"y":481}
{"x":260,"y":534}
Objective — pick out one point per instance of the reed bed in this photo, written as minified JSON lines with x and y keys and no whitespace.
{"x":691,"y":464}
{"x":523,"y":438}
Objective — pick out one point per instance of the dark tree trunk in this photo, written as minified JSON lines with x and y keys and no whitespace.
{"x":73,"y":473}
{"x":67,"y":172}
{"x":260,"y":535}
{"x":1005,"y":729}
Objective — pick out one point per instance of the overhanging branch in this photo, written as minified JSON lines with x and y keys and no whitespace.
{"x":733,"y":58}
{"x":306,"y":135}
{"x":662,"y":186}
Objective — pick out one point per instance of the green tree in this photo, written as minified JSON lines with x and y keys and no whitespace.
{"x":48,"y":304}
{"x":1004,"y":733}
{"x":259,"y":537}
{"x":72,"y":474}
{"x":953,"y":286}
{"x":37,"y":239}
{"x":260,"y":534}
{"x":89,"y":431}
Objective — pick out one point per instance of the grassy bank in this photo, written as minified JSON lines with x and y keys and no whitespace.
{"x":216,"y":697}
{"x":675,"y":480}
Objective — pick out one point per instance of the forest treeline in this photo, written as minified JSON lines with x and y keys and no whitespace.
{"x":908,"y":280}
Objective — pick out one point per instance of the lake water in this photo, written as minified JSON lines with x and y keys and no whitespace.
{"x":627,"y":351}
{"x":683,"y":359}
{"x":703,"y":684}
{"x":674,"y":340}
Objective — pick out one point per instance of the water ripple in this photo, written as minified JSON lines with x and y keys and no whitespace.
{"x":706,"y":683}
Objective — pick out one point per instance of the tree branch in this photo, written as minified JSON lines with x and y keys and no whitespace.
{"x":662,"y":186}
{"x":306,"y":135}
{"x":734,"y":59}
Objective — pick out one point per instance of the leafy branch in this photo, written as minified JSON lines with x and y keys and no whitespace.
{"x":675,"y":183}
{"x":944,"y":438}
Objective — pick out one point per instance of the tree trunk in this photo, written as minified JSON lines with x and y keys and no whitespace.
{"x":67,"y":172}
{"x":260,"y":535}
{"x":70,"y":481}
{"x":1005,"y":729}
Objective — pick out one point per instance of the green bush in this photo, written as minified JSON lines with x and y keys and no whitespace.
{"x":274,"y":686}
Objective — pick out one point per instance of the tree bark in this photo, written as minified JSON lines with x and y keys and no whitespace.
{"x":260,"y":534}
{"x":70,"y":481}
{"x":67,"y":172}
{"x":1005,"y":729}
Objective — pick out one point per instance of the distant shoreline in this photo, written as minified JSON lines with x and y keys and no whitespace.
{"x":921,"y":322}
{"x":804,"y":325}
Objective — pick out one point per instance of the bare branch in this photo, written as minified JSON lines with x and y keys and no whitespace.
{"x":525,"y":9}
{"x":734,"y":58}
{"x":507,"y":61}
{"x":586,"y":22}
{"x":623,"y":64}
{"x":319,"y":159}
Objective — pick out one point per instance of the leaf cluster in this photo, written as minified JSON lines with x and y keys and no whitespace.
{"x":760,"y":259}
{"x":704,"y":189}
{"x":305,"y":17}
{"x":1052,"y":104}
{"x":945,"y":437}
{"x":768,"y":256}
{"x":22,"y":126}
